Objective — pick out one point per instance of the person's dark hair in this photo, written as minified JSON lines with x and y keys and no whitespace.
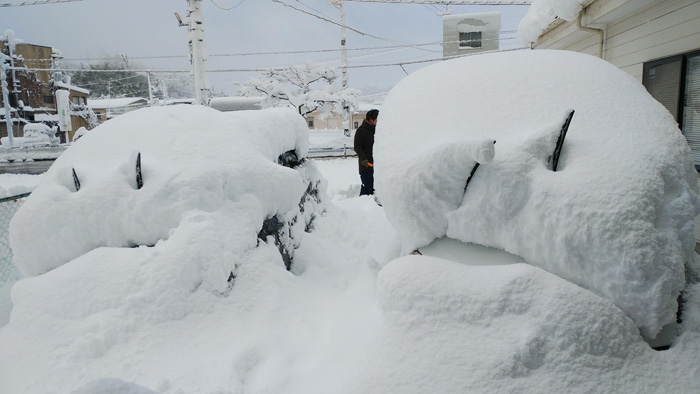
{"x":372,"y":114}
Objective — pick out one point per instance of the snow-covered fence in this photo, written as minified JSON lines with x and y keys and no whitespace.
{"x":8,"y":207}
{"x":345,"y":151}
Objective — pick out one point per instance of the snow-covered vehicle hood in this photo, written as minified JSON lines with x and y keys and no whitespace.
{"x":615,"y":218}
{"x":195,"y":162}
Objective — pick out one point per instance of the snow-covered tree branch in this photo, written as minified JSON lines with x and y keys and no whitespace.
{"x":307,"y":87}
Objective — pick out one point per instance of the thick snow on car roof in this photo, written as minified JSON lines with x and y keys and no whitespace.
{"x":192,"y":158}
{"x":615,"y":218}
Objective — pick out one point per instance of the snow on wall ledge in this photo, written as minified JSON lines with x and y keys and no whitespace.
{"x":194,"y":160}
{"x":617,"y":216}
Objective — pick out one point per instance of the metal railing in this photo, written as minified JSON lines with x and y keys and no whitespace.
{"x":8,"y":206}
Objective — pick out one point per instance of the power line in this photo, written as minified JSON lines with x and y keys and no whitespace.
{"x":243,"y":54}
{"x":407,"y":45}
{"x":313,"y":9}
{"x":263,"y":69}
{"x":36,"y":2}
{"x":339,"y":24}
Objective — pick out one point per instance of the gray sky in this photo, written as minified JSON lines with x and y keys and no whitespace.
{"x":147,"y":31}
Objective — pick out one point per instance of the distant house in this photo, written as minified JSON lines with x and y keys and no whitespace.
{"x":656,"y":41}
{"x":316,"y":121}
{"x":33,"y":90}
{"x":106,"y":109}
{"x":226,"y":104}
{"x":335,"y":122}
{"x":470,"y":33}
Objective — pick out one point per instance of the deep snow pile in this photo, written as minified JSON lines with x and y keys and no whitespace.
{"x":616,"y":217}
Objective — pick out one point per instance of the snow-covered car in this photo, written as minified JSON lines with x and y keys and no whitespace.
{"x":557,"y":157}
{"x":35,"y":134}
{"x":150,"y":176}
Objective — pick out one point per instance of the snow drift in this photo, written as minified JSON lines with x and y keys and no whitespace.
{"x":615,"y":218}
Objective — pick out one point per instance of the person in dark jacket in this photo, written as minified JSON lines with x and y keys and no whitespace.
{"x":364,"y":145}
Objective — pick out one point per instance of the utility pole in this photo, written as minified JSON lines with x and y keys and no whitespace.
{"x":344,"y":57}
{"x":6,"y":101}
{"x":5,"y":66}
{"x":195,"y":23}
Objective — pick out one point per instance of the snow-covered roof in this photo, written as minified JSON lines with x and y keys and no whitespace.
{"x":459,"y":17}
{"x":116,"y":103}
{"x":176,"y":101}
{"x":72,"y":87}
{"x":542,"y":13}
{"x":235,"y":103}
{"x":364,"y":107}
{"x":46,"y":117}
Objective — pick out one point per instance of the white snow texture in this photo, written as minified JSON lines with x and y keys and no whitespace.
{"x":615,"y":218}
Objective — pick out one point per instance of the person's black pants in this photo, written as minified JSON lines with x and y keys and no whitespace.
{"x":367,"y":179}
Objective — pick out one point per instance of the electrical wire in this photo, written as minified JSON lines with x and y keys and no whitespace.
{"x":339,"y":24}
{"x":243,"y":54}
{"x":255,"y":53}
{"x":263,"y":69}
{"x":313,"y":9}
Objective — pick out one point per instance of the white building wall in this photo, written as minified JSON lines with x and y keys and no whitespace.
{"x":658,"y":29}
{"x":488,"y":23}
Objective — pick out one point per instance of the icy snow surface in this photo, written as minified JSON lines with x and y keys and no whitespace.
{"x":616,"y":217}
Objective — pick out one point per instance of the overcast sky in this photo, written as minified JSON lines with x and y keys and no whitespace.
{"x":147,"y":31}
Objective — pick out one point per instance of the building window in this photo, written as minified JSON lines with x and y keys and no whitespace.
{"x":675,"y":83}
{"x":78,"y":100}
{"x":310,"y":122}
{"x":48,"y":99}
{"x":357,"y":124}
{"x":470,"y":39}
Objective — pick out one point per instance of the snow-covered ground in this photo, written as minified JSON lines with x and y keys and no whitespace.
{"x":427,"y":325}
{"x":176,"y":294}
